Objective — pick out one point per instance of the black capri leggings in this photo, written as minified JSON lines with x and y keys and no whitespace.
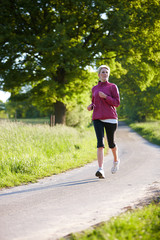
{"x":110,"y":130}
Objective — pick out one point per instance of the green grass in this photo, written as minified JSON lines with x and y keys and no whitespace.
{"x":133,"y":225}
{"x":148,"y":130}
{"x":32,"y":120}
{"x":30,"y":152}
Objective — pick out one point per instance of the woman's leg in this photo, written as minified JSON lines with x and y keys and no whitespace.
{"x":115,"y":153}
{"x":110,"y":132}
{"x":100,"y":156}
{"x":116,"y":162}
{"x":99,"y":130}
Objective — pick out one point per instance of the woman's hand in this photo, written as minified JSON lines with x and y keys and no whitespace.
{"x":90,"y":107}
{"x":102,"y":95}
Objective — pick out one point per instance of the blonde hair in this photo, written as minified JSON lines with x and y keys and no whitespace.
{"x":103,"y":66}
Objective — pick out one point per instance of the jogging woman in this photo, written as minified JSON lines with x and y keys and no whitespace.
{"x":105,"y":99}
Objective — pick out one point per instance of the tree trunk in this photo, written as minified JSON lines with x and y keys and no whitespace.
{"x":60,"y":113}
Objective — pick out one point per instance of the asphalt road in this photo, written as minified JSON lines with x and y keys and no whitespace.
{"x":76,"y":200}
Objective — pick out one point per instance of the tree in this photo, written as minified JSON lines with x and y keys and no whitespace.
{"x":2,"y":106}
{"x":47,"y":44}
{"x":135,"y":68}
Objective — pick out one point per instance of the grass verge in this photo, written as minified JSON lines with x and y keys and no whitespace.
{"x":32,"y":120}
{"x":132,"y":225}
{"x":30,"y":152}
{"x":149,"y":130}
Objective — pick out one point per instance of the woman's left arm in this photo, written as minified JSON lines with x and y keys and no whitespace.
{"x":115,"y":99}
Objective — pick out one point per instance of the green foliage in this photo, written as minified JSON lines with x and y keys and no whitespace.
{"x":29,"y":152}
{"x":140,"y":91}
{"x":45,"y":47}
{"x":149,"y":130}
{"x":76,"y":100}
{"x":2,"y":106}
{"x":78,"y":116}
{"x":139,"y":224}
{"x":46,"y":41}
{"x":135,"y":60}
{"x":3,"y":114}
{"x":2,"y":110}
{"x":23,"y":109}
{"x":138,"y":82}
{"x":76,"y":91}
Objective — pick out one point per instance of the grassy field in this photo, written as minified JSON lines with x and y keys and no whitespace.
{"x":32,"y":120}
{"x":29,"y":152}
{"x":148,"y":130}
{"x":133,"y":225}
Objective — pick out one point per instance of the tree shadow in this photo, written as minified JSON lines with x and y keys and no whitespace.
{"x":58,"y":185}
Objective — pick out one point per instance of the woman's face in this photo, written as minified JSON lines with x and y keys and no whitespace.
{"x":104,"y":74}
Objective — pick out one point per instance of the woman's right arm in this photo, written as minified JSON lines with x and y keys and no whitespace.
{"x":90,"y":107}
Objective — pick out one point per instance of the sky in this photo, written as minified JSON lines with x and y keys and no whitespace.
{"x":4,"y":96}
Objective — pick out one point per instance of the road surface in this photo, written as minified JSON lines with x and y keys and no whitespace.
{"x":76,"y":200}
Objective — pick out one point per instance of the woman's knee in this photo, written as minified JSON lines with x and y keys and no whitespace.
{"x":100,"y":144}
{"x":111,"y":145}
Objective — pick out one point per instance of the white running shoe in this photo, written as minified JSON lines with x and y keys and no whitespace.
{"x":100,"y":173}
{"x":115,"y":167}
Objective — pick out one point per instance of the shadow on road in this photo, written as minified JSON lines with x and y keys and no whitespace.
{"x":65,"y":184}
